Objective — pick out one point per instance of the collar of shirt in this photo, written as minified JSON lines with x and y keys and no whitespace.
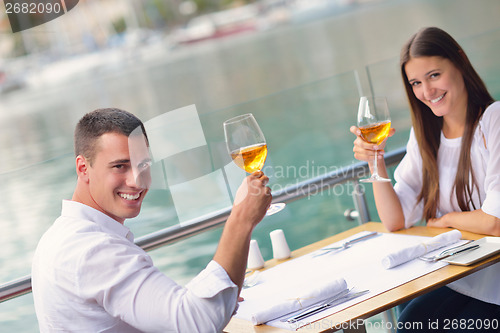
{"x":82,"y":211}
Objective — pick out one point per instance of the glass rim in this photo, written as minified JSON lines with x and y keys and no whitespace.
{"x":374,"y":98}
{"x":238,"y":118}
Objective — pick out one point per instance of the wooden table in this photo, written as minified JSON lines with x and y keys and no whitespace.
{"x":381,"y":302}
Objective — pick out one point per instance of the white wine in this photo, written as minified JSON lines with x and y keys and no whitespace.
{"x":250,"y":158}
{"x":375,"y":133}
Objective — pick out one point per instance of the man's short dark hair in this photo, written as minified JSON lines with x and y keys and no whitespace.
{"x":101,"y":121}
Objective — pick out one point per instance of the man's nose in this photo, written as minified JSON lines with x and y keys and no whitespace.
{"x":131,"y":180}
{"x":139,"y":179}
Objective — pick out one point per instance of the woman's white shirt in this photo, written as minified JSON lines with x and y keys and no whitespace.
{"x":485,"y":160}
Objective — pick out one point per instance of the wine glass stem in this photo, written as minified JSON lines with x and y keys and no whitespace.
{"x":375,"y":166}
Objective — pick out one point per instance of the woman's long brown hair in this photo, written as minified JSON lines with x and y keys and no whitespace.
{"x":427,"y":126}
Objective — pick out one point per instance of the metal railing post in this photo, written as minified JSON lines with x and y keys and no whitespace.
{"x":360,"y":204}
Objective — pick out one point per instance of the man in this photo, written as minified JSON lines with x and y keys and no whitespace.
{"x":89,"y":276}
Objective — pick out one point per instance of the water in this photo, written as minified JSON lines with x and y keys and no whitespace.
{"x":299,"y":82}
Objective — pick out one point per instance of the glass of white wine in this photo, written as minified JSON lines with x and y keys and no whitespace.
{"x":374,"y":122}
{"x":247,"y":147}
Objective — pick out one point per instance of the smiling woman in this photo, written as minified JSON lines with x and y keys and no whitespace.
{"x":435,"y":67}
{"x":438,"y":83}
{"x":450,"y":176}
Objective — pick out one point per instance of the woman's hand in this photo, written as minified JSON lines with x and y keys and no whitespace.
{"x":365,"y":151}
{"x":387,"y":202}
{"x":475,"y":221}
{"x":438,"y":222}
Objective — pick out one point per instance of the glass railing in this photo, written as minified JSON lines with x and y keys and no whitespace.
{"x":310,"y":158}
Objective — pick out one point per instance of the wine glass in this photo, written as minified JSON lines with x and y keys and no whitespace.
{"x":374,"y":122}
{"x":247,"y":146}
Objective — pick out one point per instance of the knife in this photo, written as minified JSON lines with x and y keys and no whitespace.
{"x":346,"y":244}
{"x":325,"y":306}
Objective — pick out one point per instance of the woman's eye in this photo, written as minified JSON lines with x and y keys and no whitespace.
{"x":434,"y":75}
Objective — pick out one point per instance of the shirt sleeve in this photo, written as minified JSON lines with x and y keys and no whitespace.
{"x":490,"y":125}
{"x":210,"y":281}
{"x":128,"y":286}
{"x":408,"y":176}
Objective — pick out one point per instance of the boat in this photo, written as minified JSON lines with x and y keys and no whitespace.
{"x":219,"y":24}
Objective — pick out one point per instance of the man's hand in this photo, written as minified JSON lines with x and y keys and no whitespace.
{"x":250,"y":206}
{"x":253,"y":198}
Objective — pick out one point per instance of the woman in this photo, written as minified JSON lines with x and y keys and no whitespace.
{"x":450,"y":176}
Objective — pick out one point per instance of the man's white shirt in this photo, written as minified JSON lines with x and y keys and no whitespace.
{"x":89,"y":276}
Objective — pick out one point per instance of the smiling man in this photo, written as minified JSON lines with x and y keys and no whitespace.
{"x":103,"y":166}
{"x":89,"y":276}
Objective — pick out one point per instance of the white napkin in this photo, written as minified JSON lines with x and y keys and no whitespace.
{"x":296,"y":297}
{"x":409,"y":253}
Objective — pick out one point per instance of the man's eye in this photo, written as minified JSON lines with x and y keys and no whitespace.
{"x":144,"y":165}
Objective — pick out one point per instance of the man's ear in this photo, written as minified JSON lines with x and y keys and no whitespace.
{"x":82,"y":167}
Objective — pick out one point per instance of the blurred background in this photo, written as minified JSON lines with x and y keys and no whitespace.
{"x":299,"y":66}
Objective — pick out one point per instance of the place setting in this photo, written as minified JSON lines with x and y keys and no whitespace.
{"x":305,"y":289}
{"x":293,"y":303}
{"x":448,"y":247}
{"x":298,"y":290}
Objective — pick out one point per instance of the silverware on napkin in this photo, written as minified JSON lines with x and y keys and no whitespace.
{"x":345,"y":245}
{"x":448,"y":253}
{"x":339,"y":299}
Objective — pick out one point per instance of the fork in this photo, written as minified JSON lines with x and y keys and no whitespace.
{"x":347,"y":296}
{"x":345,"y":245}
{"x":315,"y":306}
{"x":448,"y":253}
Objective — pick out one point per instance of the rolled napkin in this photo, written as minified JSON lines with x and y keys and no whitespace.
{"x":297,"y":297}
{"x":409,"y":253}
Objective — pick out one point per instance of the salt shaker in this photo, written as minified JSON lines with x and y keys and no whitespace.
{"x":255,"y":260}
{"x":280,"y":246}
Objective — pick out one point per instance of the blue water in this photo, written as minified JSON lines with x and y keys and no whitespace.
{"x":302,"y":82}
